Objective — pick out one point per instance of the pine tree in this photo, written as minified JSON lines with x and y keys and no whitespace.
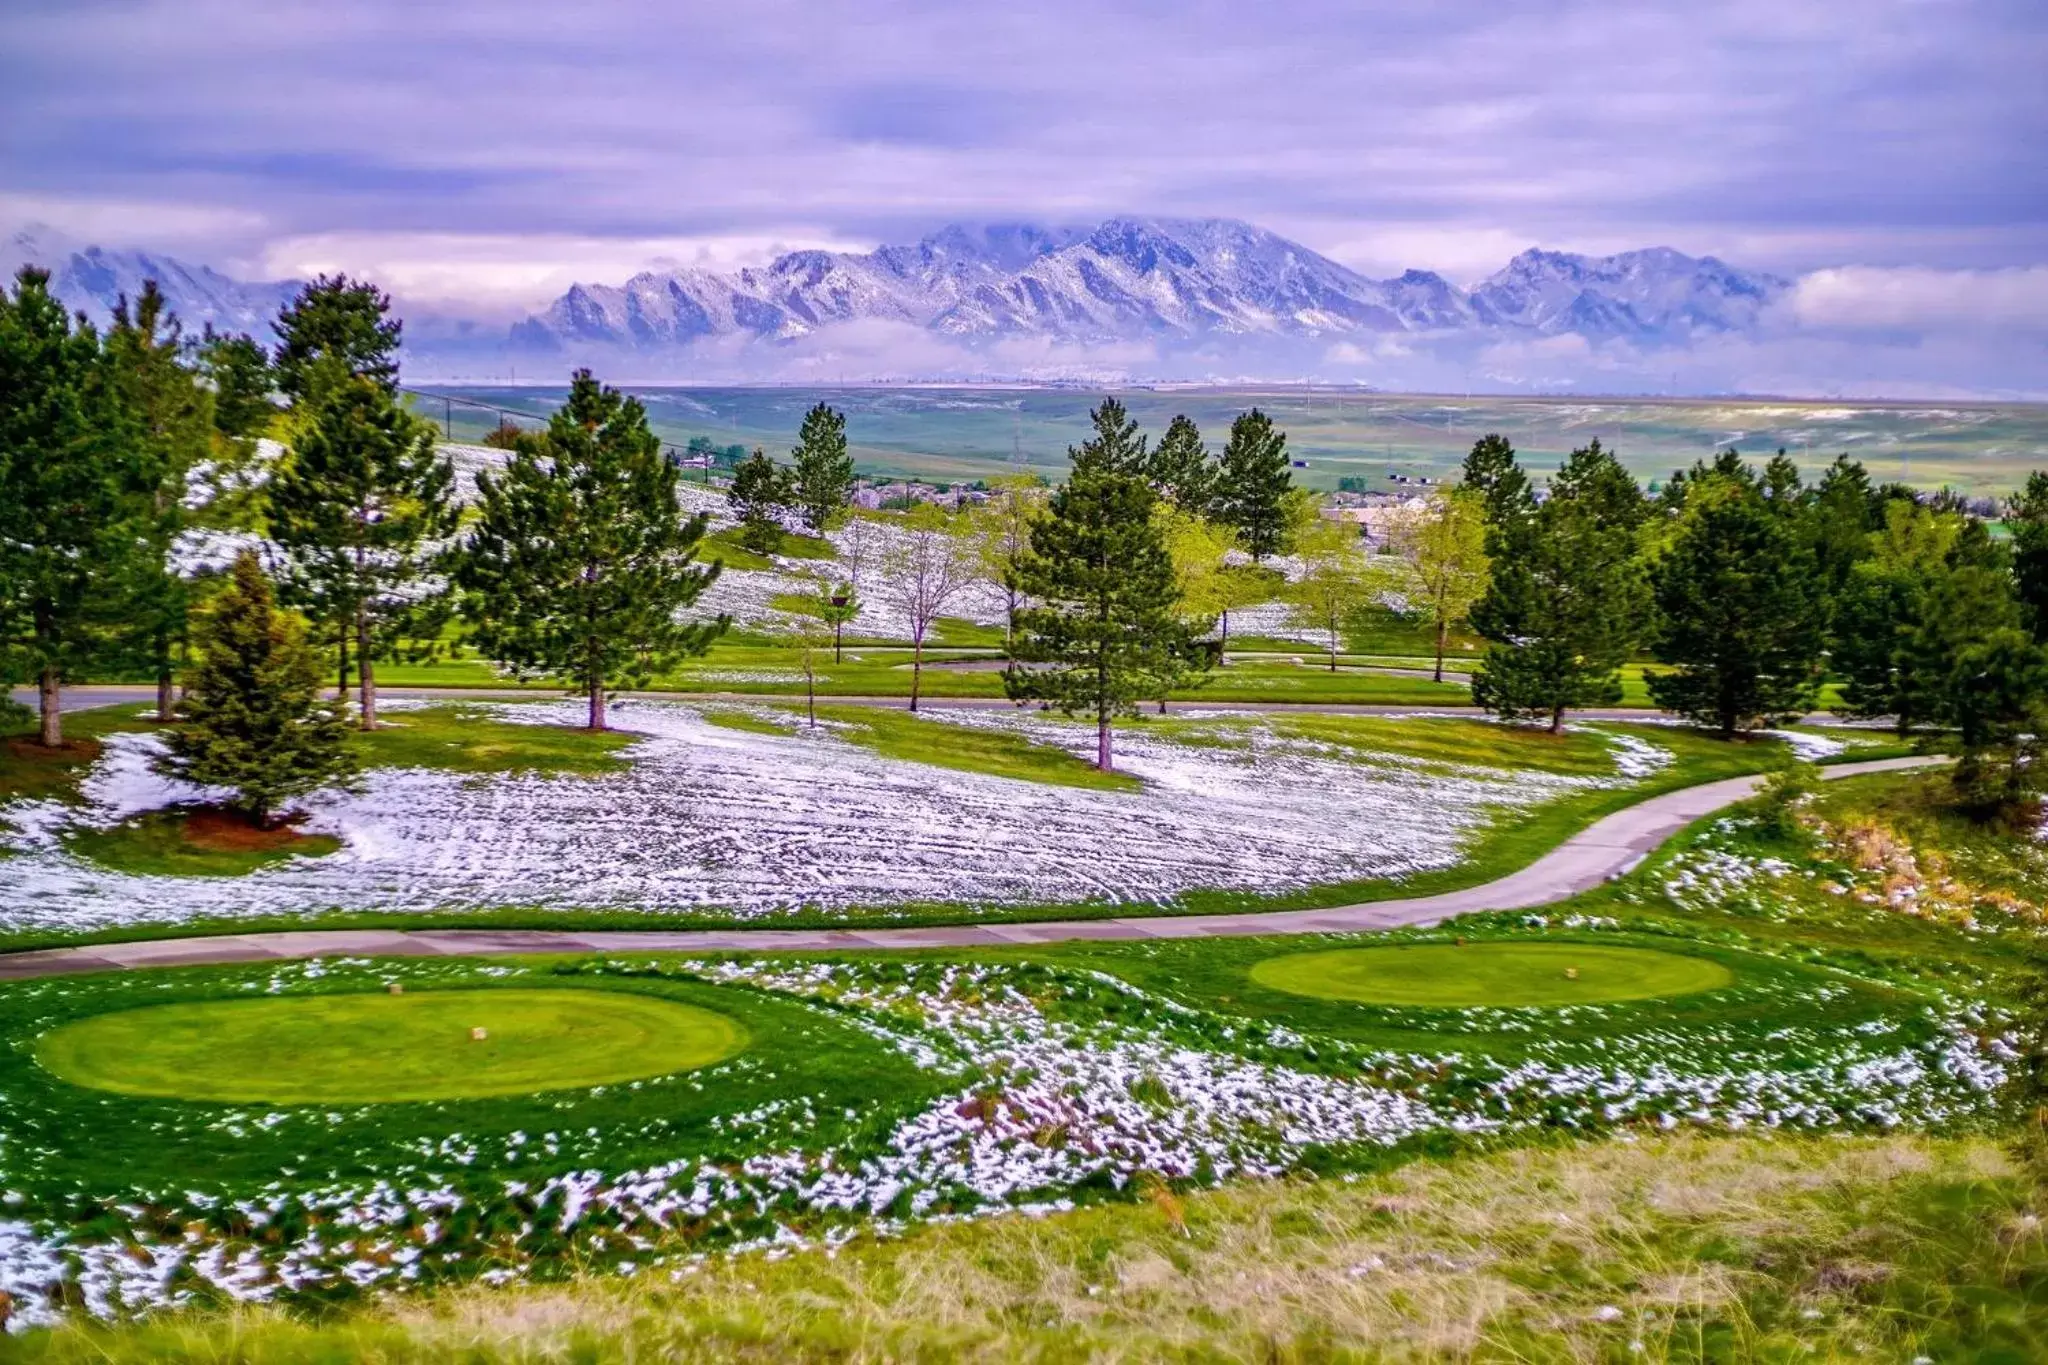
{"x":174,"y":420}
{"x":581,"y":562}
{"x":1492,"y":472}
{"x":335,"y":329}
{"x":1996,"y":697}
{"x":761,"y":493}
{"x":1568,"y":602}
{"x":1252,"y":484}
{"x":1104,"y":624}
{"x":1180,"y":469}
{"x":2027,"y":515}
{"x":74,"y":486}
{"x":253,"y":719}
{"x":1882,"y":609}
{"x":1843,"y":511}
{"x":823,"y":483}
{"x":359,"y":511}
{"x":239,"y":369}
{"x":1738,"y":597}
{"x":1116,"y":447}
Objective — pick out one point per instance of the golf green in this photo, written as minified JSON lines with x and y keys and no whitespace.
{"x":357,"y":1049}
{"x":1490,"y":974}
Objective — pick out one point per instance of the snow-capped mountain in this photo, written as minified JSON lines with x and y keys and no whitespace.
{"x":1658,"y":292}
{"x":93,"y":279}
{"x":1152,"y":279}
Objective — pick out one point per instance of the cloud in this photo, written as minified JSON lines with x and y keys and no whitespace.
{"x":1916,"y":299}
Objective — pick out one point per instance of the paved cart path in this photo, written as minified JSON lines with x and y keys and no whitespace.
{"x":1605,"y":849}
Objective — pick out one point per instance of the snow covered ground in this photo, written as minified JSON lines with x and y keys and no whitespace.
{"x":760,"y":824}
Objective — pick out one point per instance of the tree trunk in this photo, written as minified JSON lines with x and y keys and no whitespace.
{"x":341,"y":678}
{"x":916,"y":665}
{"x":811,"y":689}
{"x":1223,"y":645}
{"x":166,"y":704}
{"x":597,"y":704}
{"x":366,"y":673}
{"x":1557,"y":720}
{"x":51,"y":697}
{"x":1103,"y":757}
{"x":1443,"y":629}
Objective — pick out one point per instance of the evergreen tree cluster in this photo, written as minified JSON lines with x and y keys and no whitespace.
{"x":1746,"y":590}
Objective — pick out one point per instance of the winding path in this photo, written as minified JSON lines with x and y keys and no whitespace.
{"x":1605,"y":849}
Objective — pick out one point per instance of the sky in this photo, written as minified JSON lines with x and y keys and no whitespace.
{"x":493,"y":152}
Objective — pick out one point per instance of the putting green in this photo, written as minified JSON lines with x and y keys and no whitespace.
{"x":1490,"y":974}
{"x":357,"y":1049}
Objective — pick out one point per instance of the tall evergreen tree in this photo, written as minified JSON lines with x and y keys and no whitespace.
{"x":360,"y":510}
{"x":1737,"y":595}
{"x":74,"y":482}
{"x":1116,"y":446}
{"x":333,"y":329}
{"x":762,"y":491}
{"x":1996,"y":697}
{"x":1568,"y":602}
{"x":581,"y":562}
{"x":174,"y":421}
{"x":1882,"y":610}
{"x":823,"y":483}
{"x":2027,"y":515}
{"x":1252,"y":484}
{"x":1843,"y":511}
{"x":239,"y":369}
{"x":1180,"y":469}
{"x":1496,"y":477}
{"x":1103,"y":626}
{"x":253,"y":719}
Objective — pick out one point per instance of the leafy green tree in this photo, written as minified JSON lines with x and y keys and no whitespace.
{"x":1103,"y":625}
{"x":1737,"y":594}
{"x":334,"y":329}
{"x":360,"y":511}
{"x":239,"y":369}
{"x":174,"y":425}
{"x":1336,"y":582}
{"x":1569,"y":600}
{"x":74,"y":483}
{"x":1445,"y":546}
{"x":1996,"y":696}
{"x":253,"y":719}
{"x":1842,"y":513}
{"x":581,"y":563}
{"x":823,"y":483}
{"x":1252,"y":484}
{"x":2027,"y":515}
{"x":1180,"y":469}
{"x":815,"y":613}
{"x":761,"y":492}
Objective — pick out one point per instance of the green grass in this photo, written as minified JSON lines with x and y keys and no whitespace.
{"x":899,"y":734}
{"x":753,"y":722}
{"x":468,"y":740}
{"x":183,"y":842}
{"x":366,"y":1049}
{"x":725,"y":546}
{"x":1495,"y":974}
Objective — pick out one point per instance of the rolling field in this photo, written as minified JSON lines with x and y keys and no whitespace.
{"x":972,"y":433}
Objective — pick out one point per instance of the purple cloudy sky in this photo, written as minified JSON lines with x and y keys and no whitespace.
{"x":495,"y":146}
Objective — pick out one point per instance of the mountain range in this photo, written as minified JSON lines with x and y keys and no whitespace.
{"x":1157,"y":280}
{"x":1230,"y":291}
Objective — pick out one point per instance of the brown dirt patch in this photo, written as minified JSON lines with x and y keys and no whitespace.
{"x":220,"y":831}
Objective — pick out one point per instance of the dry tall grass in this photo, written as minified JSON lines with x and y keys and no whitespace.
{"x":1680,"y":1247}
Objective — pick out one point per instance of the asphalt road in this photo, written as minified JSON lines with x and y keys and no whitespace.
{"x":1604,"y":850}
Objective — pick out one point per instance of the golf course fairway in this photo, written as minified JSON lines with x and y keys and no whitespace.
{"x":1505,"y":974}
{"x":362,"y":1048}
